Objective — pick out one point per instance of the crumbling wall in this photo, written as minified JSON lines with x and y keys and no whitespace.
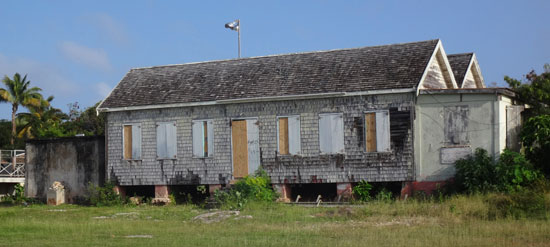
{"x":310,"y":166}
{"x":75,"y":162}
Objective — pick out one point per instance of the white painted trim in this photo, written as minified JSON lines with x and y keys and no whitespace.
{"x":98,"y":108}
{"x":438,"y":47}
{"x":319,"y":130}
{"x":210,"y":154}
{"x":157,"y":124}
{"x":476,"y":64}
{"x":260,"y":99}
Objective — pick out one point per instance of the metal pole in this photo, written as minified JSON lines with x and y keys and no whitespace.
{"x":239,"y":32}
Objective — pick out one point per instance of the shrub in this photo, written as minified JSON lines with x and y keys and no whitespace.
{"x":479,"y":173}
{"x":520,"y":204}
{"x":476,"y":173}
{"x":104,"y":196}
{"x":18,"y":196}
{"x":384,"y":195}
{"x":250,"y":188}
{"x":514,"y":172}
{"x":362,"y":191}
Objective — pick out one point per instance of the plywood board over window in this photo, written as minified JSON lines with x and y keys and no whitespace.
{"x":377,"y":131}
{"x":289,"y":135}
{"x":131,"y":141}
{"x":240,"y":148}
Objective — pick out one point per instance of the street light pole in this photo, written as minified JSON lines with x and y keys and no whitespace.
{"x":239,"y":34}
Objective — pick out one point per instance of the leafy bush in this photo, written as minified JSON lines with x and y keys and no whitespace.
{"x":384,"y":195}
{"x":250,"y":188}
{"x":476,"y":173}
{"x":104,"y":196}
{"x":535,"y":135}
{"x":479,"y":173}
{"x":362,"y":191}
{"x":18,"y":195}
{"x":514,"y":172}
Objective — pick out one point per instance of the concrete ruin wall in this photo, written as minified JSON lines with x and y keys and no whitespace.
{"x":308,"y":167}
{"x":76,"y":162}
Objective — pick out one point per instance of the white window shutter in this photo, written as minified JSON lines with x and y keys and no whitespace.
{"x":210,"y":131}
{"x":136,"y":142}
{"x":198,"y":139}
{"x":325,"y":134}
{"x":294,"y":140}
{"x":171,"y":140}
{"x":383,"y":131}
{"x":161,"y":141}
{"x":338,"y":133}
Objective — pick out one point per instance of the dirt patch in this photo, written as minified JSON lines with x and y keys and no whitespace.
{"x":217,"y":216}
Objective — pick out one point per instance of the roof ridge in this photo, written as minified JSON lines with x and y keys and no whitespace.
{"x":461,"y":54}
{"x":284,"y":54}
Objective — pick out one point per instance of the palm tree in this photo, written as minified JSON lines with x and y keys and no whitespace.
{"x":17,"y":92}
{"x":39,"y":118}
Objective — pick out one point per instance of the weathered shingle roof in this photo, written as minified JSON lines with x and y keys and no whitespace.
{"x":349,"y":70}
{"x":459,"y":63}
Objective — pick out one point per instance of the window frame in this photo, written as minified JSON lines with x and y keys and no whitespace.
{"x":343,"y":132}
{"x":299,"y":137}
{"x":211,"y":153}
{"x":138,"y":125}
{"x":376,"y":128}
{"x":174,"y":123}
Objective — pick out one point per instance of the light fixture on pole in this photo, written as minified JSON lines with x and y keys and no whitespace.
{"x":235,"y":26}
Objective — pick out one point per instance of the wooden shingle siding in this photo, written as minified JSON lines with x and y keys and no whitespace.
{"x":309,"y":166}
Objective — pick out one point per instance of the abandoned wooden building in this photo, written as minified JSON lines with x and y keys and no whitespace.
{"x":395,"y":113}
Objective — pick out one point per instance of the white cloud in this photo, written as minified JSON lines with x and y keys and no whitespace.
{"x":96,"y":58}
{"x":109,"y":26}
{"x":103,"y":89}
{"x":41,"y":75}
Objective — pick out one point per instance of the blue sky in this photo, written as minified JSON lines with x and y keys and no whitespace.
{"x":78,"y":51}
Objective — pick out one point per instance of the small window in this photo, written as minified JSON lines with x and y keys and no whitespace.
{"x":377,"y":131}
{"x":289,"y":135}
{"x":331,"y":133}
{"x":203,"y":138}
{"x":131,"y":142}
{"x":166,"y":140}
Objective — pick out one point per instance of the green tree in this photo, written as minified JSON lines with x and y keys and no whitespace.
{"x":87,"y":122}
{"x":18,"y":93}
{"x":42,"y":121}
{"x":535,"y":91}
{"x":535,"y":133}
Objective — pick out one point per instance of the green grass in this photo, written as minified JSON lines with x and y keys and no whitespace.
{"x":456,"y":221}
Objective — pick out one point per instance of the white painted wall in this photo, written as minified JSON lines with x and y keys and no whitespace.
{"x":486,"y":129}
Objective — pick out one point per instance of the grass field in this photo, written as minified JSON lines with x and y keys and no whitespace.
{"x":458,"y":221}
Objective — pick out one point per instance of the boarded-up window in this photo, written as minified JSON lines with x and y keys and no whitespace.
{"x":377,"y":131}
{"x":166,"y":140}
{"x":331,"y":133}
{"x":203,"y":138}
{"x":131,"y":142}
{"x":456,"y":125}
{"x":289,"y":135}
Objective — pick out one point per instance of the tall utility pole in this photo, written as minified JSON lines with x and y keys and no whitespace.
{"x":236,"y":26}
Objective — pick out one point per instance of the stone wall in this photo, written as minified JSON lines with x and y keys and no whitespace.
{"x":75,"y":162}
{"x":308,"y":167}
